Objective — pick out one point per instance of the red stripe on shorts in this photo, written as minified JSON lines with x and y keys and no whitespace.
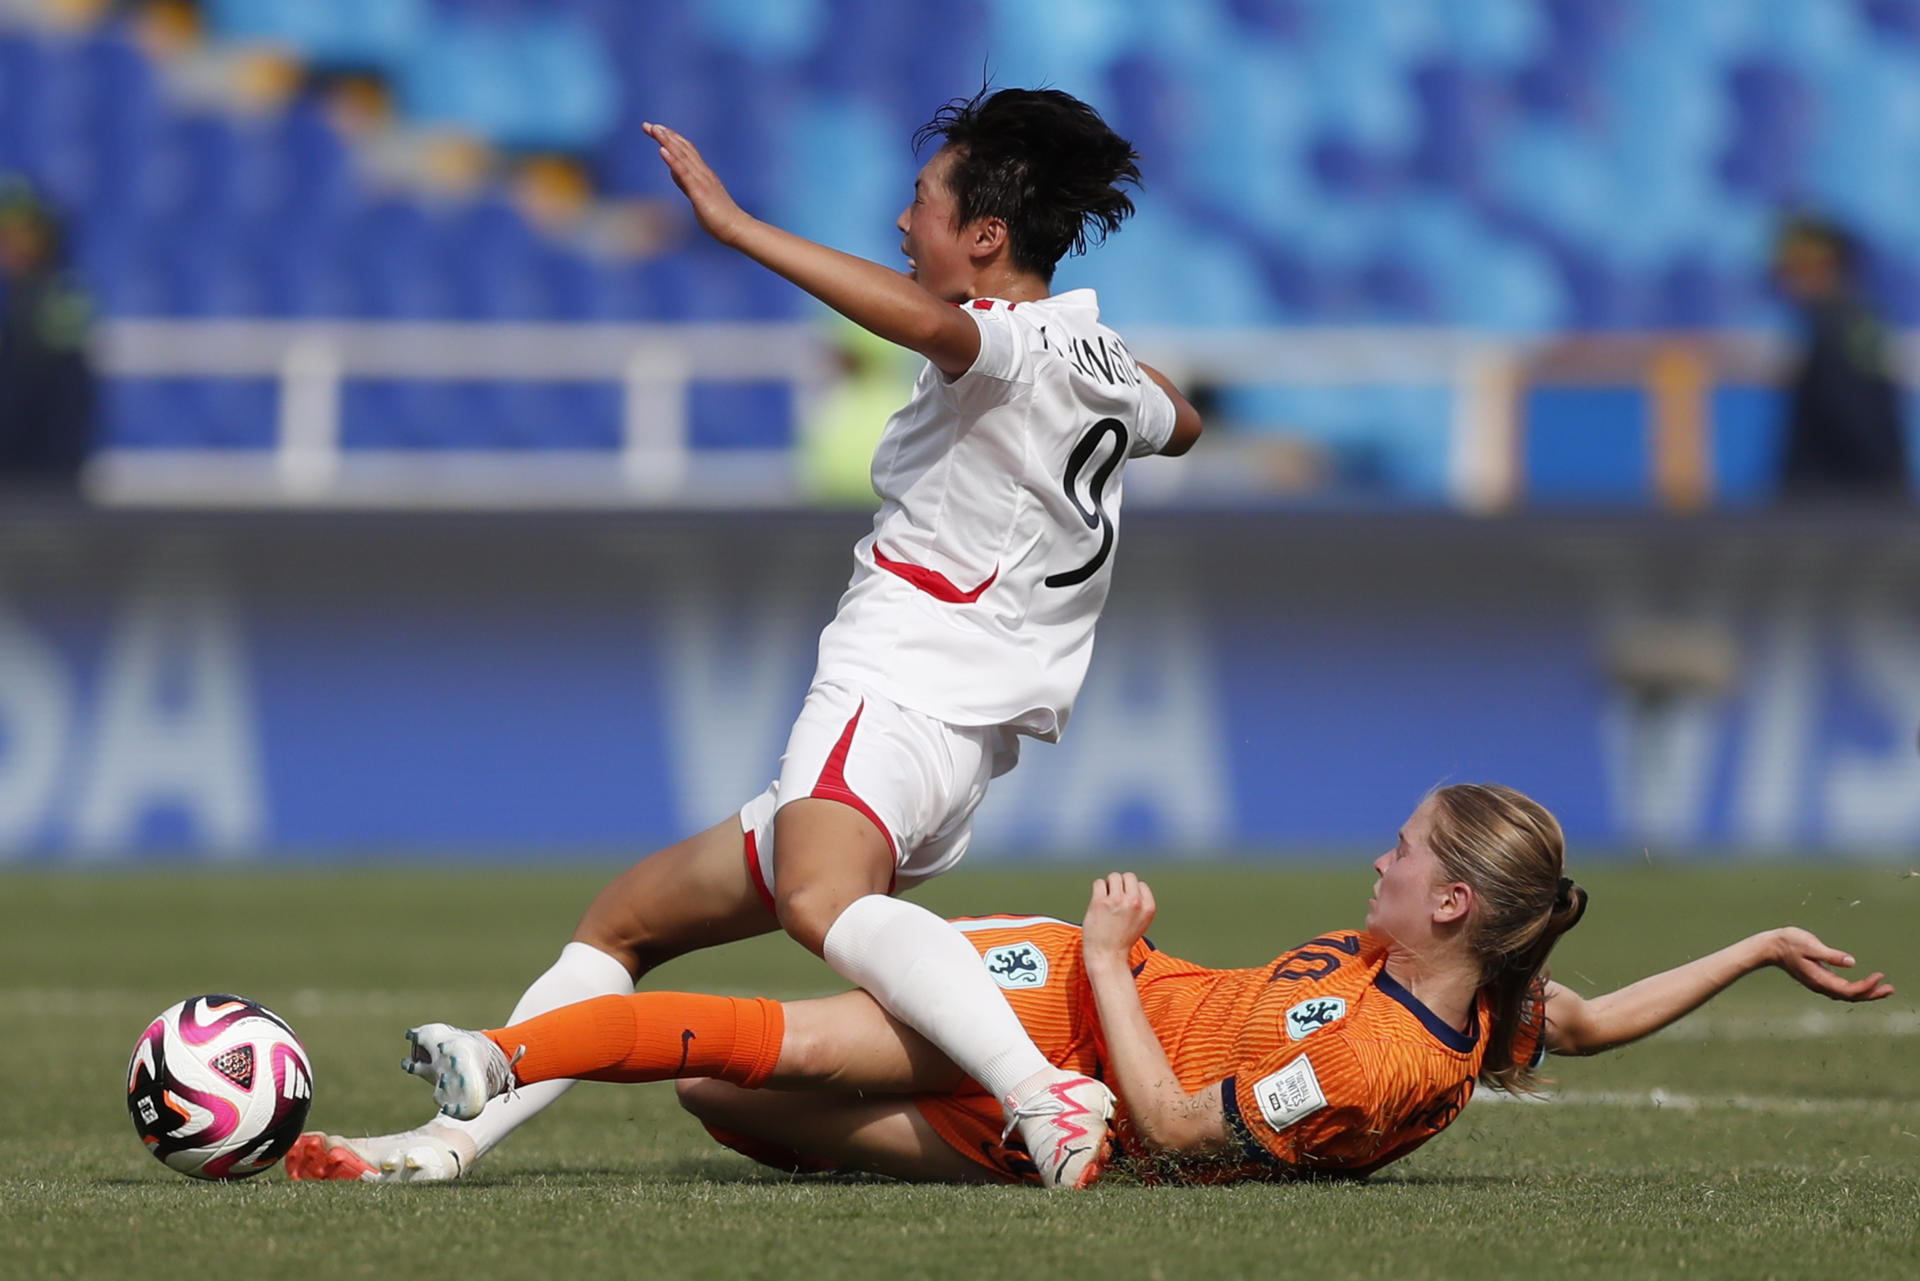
{"x":833,"y":780}
{"x":754,"y":873}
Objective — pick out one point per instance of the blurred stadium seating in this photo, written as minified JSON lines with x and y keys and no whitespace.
{"x":1515,"y":168}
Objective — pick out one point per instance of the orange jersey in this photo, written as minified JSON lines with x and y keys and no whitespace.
{"x":1327,"y":1066}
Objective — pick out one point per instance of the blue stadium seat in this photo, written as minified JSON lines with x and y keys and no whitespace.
{"x":136,"y":413}
{"x":1494,"y":34}
{"x":739,"y":416}
{"x":769,"y":34}
{"x":563,"y":416}
{"x":329,"y":33}
{"x":379,"y":414}
{"x":1895,"y":19}
{"x":176,"y":413}
{"x":1460,"y":113}
{"x":1774,"y":111}
{"x":531,"y":83}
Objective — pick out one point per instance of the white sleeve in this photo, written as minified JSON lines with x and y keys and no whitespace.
{"x":1155,"y":425}
{"x":1003,"y":349}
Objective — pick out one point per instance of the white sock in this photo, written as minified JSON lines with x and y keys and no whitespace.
{"x":926,"y":974}
{"x":582,"y":972}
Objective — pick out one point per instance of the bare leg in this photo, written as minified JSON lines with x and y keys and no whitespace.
{"x":692,"y":894}
{"x":882,"y":1135}
{"x":825,"y":855}
{"x":847,"y":1044}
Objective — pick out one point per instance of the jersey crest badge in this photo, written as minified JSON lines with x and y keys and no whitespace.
{"x":1291,"y":1094}
{"x":1309,"y":1017}
{"x":1017,"y":965}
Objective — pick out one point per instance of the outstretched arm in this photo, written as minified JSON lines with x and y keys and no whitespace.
{"x":871,"y":296}
{"x":1576,"y":1025}
{"x":1165,"y":1117}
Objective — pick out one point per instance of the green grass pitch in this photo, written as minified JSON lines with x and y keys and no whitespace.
{"x":1778,"y":1137}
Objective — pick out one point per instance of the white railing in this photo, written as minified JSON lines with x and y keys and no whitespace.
{"x":655,"y":366}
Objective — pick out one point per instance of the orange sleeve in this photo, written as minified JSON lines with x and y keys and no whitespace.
{"x":1302,"y":1106}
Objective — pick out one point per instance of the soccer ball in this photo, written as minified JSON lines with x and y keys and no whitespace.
{"x":219,"y":1087}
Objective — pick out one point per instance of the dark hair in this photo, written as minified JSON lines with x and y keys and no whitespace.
{"x":1040,"y":160}
{"x":1510,"y":851}
{"x":1829,"y":235}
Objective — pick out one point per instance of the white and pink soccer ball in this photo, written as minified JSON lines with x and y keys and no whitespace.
{"x":219,"y":1087}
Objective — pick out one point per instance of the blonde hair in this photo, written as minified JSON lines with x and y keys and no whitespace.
{"x":1509,"y":851}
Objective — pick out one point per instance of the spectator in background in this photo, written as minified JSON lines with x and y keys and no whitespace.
{"x":46,"y":384}
{"x":840,"y":432}
{"x":1844,"y":436}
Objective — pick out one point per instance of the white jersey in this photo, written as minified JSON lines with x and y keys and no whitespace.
{"x":974,"y":599}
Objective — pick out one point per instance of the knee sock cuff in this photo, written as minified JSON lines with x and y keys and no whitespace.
{"x":760,"y":1029}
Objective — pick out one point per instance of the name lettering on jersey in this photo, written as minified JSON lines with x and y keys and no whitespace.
{"x":1017,"y":965}
{"x":1308,"y":1017}
{"x":1289,"y":1095}
{"x":1111,"y":362}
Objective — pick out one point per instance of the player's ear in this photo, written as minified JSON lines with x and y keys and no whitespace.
{"x":986,"y":237}
{"x":1452,"y":902}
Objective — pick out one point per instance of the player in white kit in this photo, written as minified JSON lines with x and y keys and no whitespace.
{"x":969,"y":622}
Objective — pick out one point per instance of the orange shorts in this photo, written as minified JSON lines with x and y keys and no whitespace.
{"x":1036,"y":961}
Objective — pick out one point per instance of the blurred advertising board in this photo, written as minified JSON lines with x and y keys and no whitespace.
{"x":536,"y":687}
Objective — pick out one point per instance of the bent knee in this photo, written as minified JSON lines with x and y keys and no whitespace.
{"x":807,"y":912}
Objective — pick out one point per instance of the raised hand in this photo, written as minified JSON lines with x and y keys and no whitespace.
{"x":713,"y":205}
{"x":1812,"y":963}
{"x":1118,"y":914}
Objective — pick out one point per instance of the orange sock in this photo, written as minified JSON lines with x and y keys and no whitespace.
{"x":649,"y":1036}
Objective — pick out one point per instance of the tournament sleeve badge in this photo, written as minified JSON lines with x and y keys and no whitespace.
{"x":1291,"y":1094}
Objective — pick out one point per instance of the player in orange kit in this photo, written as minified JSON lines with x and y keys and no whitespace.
{"x":1338,"y":1057}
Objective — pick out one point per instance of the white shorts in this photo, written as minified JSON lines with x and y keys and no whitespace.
{"x":918,"y":779}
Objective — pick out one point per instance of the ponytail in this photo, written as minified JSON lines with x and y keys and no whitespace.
{"x":1509,"y":850}
{"x":1514,"y":989}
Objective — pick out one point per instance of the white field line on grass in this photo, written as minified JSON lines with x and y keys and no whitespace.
{"x":1669,"y":1101}
{"x":1812,"y":1025}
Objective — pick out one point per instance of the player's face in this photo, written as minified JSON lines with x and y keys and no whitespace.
{"x":931,"y":236}
{"x":1408,"y":879}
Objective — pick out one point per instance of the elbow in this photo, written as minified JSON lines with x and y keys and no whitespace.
{"x":1578,"y":1043}
{"x":1186,"y":434}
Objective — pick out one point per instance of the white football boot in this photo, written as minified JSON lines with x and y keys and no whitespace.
{"x":1064,"y":1125}
{"x":466,"y":1068}
{"x":414,"y":1156}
